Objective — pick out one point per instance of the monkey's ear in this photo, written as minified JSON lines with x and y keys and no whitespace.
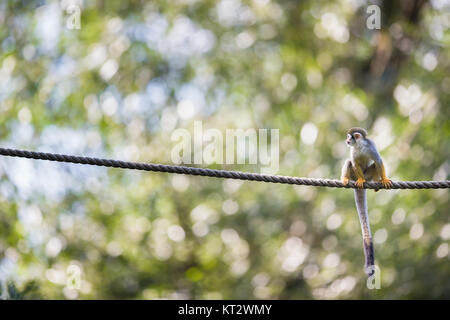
{"x":357,"y":135}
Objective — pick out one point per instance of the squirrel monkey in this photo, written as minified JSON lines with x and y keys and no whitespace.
{"x":365,"y":164}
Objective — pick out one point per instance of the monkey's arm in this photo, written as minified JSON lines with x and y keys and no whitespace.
{"x":379,"y":166}
{"x":352,"y":172}
{"x":347,"y":172}
{"x":385,"y":181}
{"x":360,"y":175}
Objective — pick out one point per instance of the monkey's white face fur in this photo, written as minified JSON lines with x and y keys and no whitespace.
{"x":354,"y":140}
{"x":359,"y":149}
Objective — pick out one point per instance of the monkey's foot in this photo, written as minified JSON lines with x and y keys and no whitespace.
{"x":360,"y":183}
{"x":387,"y":183}
{"x":344,"y":181}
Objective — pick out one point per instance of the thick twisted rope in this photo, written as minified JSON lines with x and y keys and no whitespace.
{"x":217,"y":173}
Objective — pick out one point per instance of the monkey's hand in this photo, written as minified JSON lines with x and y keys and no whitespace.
{"x":344,"y":181}
{"x":387,"y":183}
{"x":360,"y":183}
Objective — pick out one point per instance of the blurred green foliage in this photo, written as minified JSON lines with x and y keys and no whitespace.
{"x":137,"y":70}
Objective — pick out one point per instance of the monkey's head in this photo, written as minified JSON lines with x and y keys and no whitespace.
{"x":354,"y":135}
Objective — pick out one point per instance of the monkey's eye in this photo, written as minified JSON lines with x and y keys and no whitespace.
{"x":349,"y":136}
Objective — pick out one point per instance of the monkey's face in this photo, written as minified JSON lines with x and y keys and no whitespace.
{"x":352,"y":139}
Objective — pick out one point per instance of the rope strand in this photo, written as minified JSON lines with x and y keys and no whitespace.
{"x":217,"y":173}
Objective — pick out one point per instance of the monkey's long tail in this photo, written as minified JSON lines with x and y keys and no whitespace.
{"x":361,"y":207}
